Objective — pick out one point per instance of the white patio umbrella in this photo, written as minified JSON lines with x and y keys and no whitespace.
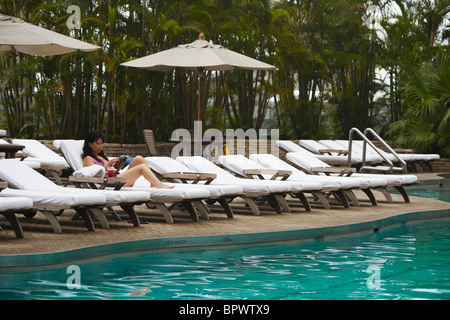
{"x":201,"y":55}
{"x":15,"y":34}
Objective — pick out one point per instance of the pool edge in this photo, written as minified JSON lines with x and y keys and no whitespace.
{"x":61,"y":257}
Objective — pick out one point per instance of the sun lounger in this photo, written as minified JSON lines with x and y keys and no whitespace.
{"x":39,"y":152}
{"x":412,"y":159}
{"x":370,"y":153}
{"x":164,"y":148}
{"x":248,"y":168}
{"x":166,"y":200}
{"x":9,"y":207}
{"x":177,"y":171}
{"x":271,"y":191}
{"x":174,"y":171}
{"x":150,"y":142}
{"x":51,"y":204}
{"x":318,"y":148}
{"x":330,"y":184}
{"x":190,"y":199}
{"x":22,"y":177}
{"x":310,"y":163}
{"x":20,"y":156}
{"x":357,"y":154}
{"x":334,"y":159}
{"x":50,"y":162}
{"x":329,"y":181}
{"x":332,"y":149}
{"x":46,"y":196}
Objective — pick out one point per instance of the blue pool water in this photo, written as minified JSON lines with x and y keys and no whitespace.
{"x":410,"y":261}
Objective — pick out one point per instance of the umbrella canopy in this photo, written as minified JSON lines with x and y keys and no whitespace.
{"x":15,"y":34}
{"x":201,"y":55}
{"x":198,"y":54}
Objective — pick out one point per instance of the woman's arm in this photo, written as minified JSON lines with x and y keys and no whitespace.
{"x":88,"y":161}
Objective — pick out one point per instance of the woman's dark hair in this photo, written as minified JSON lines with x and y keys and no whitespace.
{"x":91,"y":137}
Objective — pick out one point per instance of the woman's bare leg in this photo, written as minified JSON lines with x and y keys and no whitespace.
{"x":140,"y":168}
{"x":137,"y":161}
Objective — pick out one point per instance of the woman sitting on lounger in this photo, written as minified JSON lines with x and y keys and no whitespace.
{"x":93,"y":155}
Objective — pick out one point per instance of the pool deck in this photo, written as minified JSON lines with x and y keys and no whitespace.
{"x":77,"y":243}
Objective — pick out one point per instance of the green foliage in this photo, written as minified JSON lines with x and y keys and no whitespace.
{"x":327,"y":81}
{"x":426,"y":122}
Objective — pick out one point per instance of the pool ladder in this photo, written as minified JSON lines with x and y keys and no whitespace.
{"x":388,"y":169}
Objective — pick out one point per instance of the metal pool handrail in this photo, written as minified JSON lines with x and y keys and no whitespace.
{"x":388,"y":147}
{"x":366,"y":141}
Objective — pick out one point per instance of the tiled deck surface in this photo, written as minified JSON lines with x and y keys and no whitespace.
{"x":39,"y":237}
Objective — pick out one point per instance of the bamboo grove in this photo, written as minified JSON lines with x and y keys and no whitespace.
{"x":339,"y":65}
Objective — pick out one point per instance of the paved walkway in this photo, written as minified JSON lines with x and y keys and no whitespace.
{"x":39,"y":237}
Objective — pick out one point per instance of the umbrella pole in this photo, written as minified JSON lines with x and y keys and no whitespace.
{"x":200,"y":93}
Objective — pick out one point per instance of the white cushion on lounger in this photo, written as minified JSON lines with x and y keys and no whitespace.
{"x":269,"y":161}
{"x":72,"y":150}
{"x":91,"y":171}
{"x":46,"y":162}
{"x":238,"y":163}
{"x":57,"y":198}
{"x":364,"y":181}
{"x":290,"y":146}
{"x":357,"y":154}
{"x":267,"y":186}
{"x":16,"y":203}
{"x":213,"y":190}
{"x":200,"y":164}
{"x":121,"y":196}
{"x":392,"y":157}
{"x":32,"y":164}
{"x":179,"y":191}
{"x":20,"y":176}
{"x":311,"y":145}
{"x":40,"y":153}
{"x":57,"y":142}
{"x":23,"y":177}
{"x":307,"y":161}
{"x":162,"y":165}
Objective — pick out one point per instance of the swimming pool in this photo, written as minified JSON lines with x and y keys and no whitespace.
{"x":409,"y":261}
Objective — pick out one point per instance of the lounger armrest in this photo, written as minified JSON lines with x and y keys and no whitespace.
{"x":284,"y":174}
{"x":98,"y":183}
{"x":402,"y":150}
{"x":259,"y":171}
{"x":55,"y":168}
{"x":190,"y":176}
{"x":22,"y":155}
{"x":330,"y":151}
{"x":342,"y":171}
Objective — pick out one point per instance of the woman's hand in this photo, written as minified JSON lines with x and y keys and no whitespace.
{"x":112,"y":163}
